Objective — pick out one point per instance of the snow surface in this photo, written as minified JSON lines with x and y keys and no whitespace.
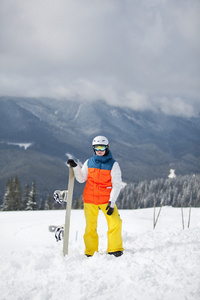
{"x":172,"y":174}
{"x":162,"y":264}
{"x":21,"y":145}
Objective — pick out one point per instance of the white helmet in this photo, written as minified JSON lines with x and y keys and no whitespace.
{"x":100,"y":140}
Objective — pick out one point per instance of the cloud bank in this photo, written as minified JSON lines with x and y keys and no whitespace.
{"x":142,"y":54}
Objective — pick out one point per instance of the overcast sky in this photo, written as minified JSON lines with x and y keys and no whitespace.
{"x":138,"y":53}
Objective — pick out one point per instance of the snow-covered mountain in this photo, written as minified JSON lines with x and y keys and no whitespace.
{"x":146,"y":144}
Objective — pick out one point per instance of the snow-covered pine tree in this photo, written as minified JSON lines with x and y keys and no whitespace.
{"x":25,"y":196}
{"x":17,"y":194}
{"x":42,"y":204}
{"x":49,"y":201}
{"x":12,"y":196}
{"x":32,"y":204}
{"x":7,"y":199}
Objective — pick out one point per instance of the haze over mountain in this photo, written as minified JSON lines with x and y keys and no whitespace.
{"x":38,"y":135}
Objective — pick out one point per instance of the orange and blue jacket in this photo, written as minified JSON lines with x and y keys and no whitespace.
{"x":99,"y":185}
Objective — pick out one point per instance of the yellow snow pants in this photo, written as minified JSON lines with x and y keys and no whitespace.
{"x":114,"y":229}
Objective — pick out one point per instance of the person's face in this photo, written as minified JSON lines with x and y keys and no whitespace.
{"x":100,"y":153}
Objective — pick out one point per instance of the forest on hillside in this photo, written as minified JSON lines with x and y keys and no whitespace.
{"x":179,"y":191}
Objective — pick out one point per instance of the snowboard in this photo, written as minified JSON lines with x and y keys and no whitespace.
{"x":68,"y":210}
{"x":52,"y":228}
{"x":59,"y":197}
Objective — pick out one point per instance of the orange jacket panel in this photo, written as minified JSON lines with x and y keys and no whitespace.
{"x":98,"y":187}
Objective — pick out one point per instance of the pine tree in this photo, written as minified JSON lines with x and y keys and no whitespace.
{"x":49,"y":201}
{"x":12,"y":196}
{"x":17,"y":201}
{"x":32,"y":204}
{"x":7,"y":199}
{"x":42,"y":204}
{"x":25,"y":196}
{"x":197,"y":201}
{"x":76,"y":204}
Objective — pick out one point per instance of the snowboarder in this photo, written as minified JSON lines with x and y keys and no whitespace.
{"x":103,"y":184}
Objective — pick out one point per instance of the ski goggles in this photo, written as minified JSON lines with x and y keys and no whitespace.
{"x":99,"y":148}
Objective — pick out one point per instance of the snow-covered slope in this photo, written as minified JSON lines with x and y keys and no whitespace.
{"x":160,"y":264}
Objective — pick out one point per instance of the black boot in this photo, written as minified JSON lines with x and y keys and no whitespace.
{"x":116,"y":253}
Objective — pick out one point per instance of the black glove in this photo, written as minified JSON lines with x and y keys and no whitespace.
{"x":72,"y":163}
{"x":109,"y":209}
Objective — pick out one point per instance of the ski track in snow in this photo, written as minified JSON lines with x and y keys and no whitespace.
{"x":78,"y":111}
{"x":160,"y":264}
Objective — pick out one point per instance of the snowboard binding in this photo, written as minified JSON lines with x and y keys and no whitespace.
{"x":60,"y":196}
{"x":59,"y":233}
